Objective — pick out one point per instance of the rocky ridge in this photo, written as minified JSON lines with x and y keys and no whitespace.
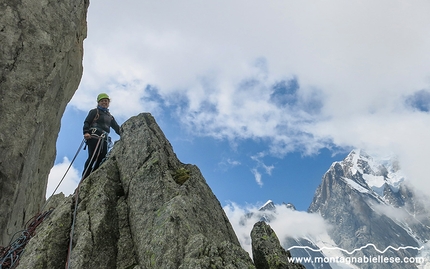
{"x":142,"y":208}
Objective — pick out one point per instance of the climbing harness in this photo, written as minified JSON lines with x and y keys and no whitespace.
{"x":97,"y":150}
{"x":109,"y":147}
{"x":10,"y":255}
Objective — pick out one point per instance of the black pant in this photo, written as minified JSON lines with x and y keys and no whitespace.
{"x":94,"y":157}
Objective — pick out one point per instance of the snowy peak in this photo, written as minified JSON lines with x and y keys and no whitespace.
{"x":289,"y":206}
{"x":367,"y":201}
{"x":369,"y":174}
{"x":269,"y":205}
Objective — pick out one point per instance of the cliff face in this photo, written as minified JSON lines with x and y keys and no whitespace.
{"x":142,"y":208}
{"x":41,"y":50}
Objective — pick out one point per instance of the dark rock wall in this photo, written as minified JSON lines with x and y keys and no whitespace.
{"x":41,"y":51}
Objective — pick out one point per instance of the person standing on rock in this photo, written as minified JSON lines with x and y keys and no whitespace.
{"x":96,"y":129}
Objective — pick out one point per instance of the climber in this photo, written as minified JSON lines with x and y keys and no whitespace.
{"x":96,"y":129}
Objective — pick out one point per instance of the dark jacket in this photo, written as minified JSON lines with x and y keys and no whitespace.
{"x":101,"y":120}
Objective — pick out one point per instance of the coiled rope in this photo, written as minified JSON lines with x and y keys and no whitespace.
{"x":10,"y":255}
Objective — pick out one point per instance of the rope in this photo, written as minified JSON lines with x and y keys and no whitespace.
{"x":97,"y":149}
{"x":68,"y":168}
{"x":10,"y":255}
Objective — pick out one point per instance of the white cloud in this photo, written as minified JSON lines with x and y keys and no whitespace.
{"x":392,"y":212}
{"x":355,"y":63}
{"x":267,"y":168}
{"x":233,"y":162}
{"x":286,"y":223}
{"x":69,"y":183}
{"x":257,"y":176}
{"x":228,"y":163}
{"x":260,"y":164}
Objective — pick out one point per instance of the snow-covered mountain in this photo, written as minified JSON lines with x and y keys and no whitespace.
{"x":368,"y":202}
{"x":376,"y":220}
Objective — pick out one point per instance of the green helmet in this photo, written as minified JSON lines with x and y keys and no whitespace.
{"x":102,"y":96}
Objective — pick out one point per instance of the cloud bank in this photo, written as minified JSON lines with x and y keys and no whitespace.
{"x":302,"y":76}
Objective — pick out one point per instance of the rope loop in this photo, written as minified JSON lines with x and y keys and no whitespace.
{"x":10,"y":255}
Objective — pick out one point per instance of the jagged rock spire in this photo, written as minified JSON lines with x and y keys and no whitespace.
{"x":267,"y":250}
{"x":142,"y":208}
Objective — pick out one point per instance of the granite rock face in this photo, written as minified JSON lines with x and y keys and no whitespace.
{"x":41,"y":51}
{"x":267,"y":250}
{"x":142,"y":208}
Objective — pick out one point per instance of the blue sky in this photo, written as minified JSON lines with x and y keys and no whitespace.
{"x":229,"y":167}
{"x":262,"y":96}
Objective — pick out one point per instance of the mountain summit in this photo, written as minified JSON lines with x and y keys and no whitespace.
{"x":366,"y":210}
{"x":367,"y":201}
